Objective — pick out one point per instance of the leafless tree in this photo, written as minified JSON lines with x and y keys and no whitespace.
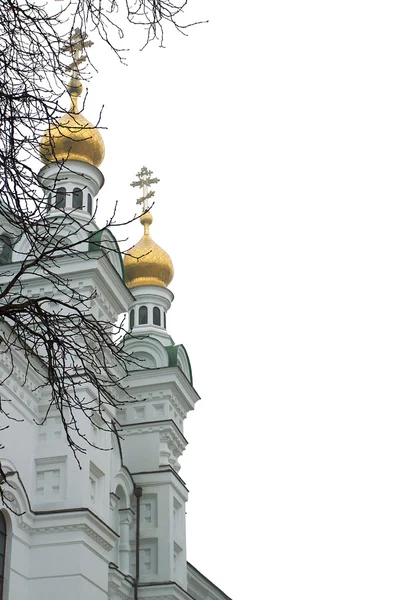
{"x":63,"y":348}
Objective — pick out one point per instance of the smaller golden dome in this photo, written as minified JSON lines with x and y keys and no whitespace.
{"x":72,"y":137}
{"x":146,"y":263}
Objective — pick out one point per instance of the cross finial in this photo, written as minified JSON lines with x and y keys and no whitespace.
{"x":145,"y":181}
{"x":78,"y":43}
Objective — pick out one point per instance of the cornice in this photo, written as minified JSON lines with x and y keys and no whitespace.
{"x":115,"y":590}
{"x":168,"y":590}
{"x":147,"y":380}
{"x":163,"y":426}
{"x":163,"y":475}
{"x":78,"y":265}
{"x":83,"y":527}
{"x":67,"y":520}
{"x":119,"y":584}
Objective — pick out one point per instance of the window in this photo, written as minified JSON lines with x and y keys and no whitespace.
{"x":3,"y":536}
{"x":77,"y":198}
{"x":49,"y":203}
{"x":143,"y":315}
{"x":60,"y":197}
{"x":132,"y":319}
{"x":5,"y":250}
{"x":156,"y":316}
{"x":89,"y":203}
{"x":165,"y":320}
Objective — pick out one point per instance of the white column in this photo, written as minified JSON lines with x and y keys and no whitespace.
{"x":125,"y":520}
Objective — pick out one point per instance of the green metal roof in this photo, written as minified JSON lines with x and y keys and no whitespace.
{"x":95,"y":244}
{"x":172,"y":352}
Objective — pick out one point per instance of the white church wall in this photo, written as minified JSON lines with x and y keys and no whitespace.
{"x":17,"y":564}
{"x":162,"y":528}
{"x":76,"y":534}
{"x":141,"y":452}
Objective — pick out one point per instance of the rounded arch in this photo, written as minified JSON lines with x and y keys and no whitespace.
{"x":149,"y":352}
{"x":61,"y":197}
{"x":123,"y":483}
{"x":156,"y":316}
{"x":77,"y":198}
{"x":106,"y":241}
{"x":143,"y":315}
{"x":16,"y":493}
{"x":178,"y":357}
{"x":132,"y":318}
{"x":122,"y":496}
{"x":145,"y":360}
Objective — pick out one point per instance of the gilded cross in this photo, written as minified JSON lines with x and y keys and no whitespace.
{"x":145,"y":181}
{"x":77,"y":47}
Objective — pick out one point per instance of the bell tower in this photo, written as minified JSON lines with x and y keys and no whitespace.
{"x":152,"y":427}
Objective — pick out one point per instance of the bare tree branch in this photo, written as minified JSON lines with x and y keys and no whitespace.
{"x":72,"y":355}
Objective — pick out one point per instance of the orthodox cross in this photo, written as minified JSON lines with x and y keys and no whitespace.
{"x":145,"y":181}
{"x":77,"y":45}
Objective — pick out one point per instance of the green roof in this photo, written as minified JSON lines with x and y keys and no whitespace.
{"x":172,"y":352}
{"x":95,"y":244}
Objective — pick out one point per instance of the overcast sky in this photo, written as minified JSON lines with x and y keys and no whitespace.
{"x":275,"y":132}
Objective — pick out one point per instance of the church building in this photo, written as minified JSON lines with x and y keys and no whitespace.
{"x":113,"y":526}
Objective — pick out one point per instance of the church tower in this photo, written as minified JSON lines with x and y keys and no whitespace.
{"x":111,"y":526}
{"x":162,"y":380}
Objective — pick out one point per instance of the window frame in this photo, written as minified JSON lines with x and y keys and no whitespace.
{"x":63,"y":193}
{"x":157,"y":311}
{"x":77,"y":198}
{"x":143,"y":310}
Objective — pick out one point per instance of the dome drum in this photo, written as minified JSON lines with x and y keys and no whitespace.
{"x":148,"y":311}
{"x":79,"y":177}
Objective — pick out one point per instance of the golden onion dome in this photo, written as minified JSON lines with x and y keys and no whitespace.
{"x":146,"y":263}
{"x":72,"y":137}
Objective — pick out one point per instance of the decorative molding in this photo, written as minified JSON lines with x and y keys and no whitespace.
{"x":169,"y":380}
{"x":172,"y":441}
{"x":160,"y":597}
{"x":11,"y":502}
{"x":120,"y":585}
{"x":126,"y":516}
{"x":64,"y":528}
{"x":115,"y":590}
{"x":165,"y":426}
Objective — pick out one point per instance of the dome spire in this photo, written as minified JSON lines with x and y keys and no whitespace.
{"x":144,"y":183}
{"x":77,"y":47}
{"x":73,"y":137}
{"x":146,"y":263}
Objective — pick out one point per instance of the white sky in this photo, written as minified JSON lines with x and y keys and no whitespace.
{"x":275,"y":132}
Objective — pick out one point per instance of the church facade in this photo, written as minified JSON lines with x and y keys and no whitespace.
{"x":113,"y":526}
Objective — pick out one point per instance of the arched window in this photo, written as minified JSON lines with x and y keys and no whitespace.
{"x":156,"y":316}
{"x":132,"y":319}
{"x":89,"y":203}
{"x":60,"y":197}
{"x":3,"y":537}
{"x":165,"y":320}
{"x":5,"y":252}
{"x":143,"y":315}
{"x":77,"y":198}
{"x":49,"y":203}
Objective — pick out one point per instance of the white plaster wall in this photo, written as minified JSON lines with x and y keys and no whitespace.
{"x":160,"y":531}
{"x":142,"y":451}
{"x":17,"y":556}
